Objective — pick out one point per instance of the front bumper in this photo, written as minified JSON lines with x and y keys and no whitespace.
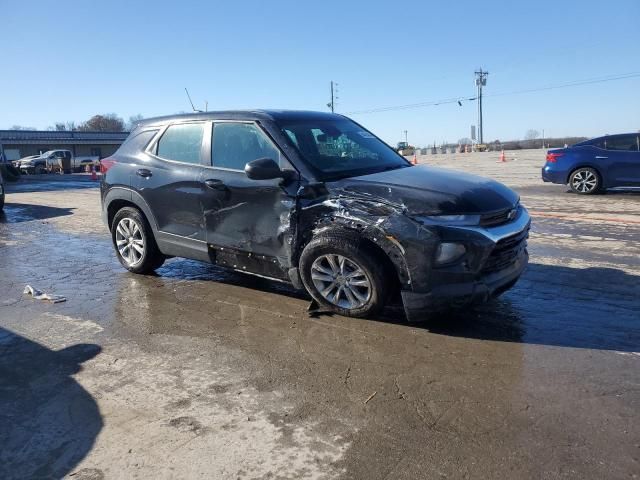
{"x":457,"y":295}
{"x":502,"y":259}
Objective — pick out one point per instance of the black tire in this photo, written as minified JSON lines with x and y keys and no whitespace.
{"x":151,"y":258}
{"x":349,"y":247}
{"x":1,"y":202}
{"x":585,"y":181}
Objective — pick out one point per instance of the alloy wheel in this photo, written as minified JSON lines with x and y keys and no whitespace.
{"x":584,"y":181}
{"x":341,"y":281}
{"x":129,"y":241}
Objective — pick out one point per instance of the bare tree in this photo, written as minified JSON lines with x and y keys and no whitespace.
{"x":464,"y":141}
{"x":109,"y":122}
{"x":531,"y":134}
{"x":60,"y":126}
{"x":133,"y":121}
{"x":20,"y":127}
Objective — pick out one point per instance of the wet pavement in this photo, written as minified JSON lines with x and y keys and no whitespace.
{"x":201,"y":373}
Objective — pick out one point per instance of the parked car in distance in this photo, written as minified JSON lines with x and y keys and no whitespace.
{"x":50,"y":162}
{"x":316,"y":200}
{"x":27,"y":159}
{"x":592,"y":166}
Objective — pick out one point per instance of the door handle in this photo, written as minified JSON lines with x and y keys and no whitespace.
{"x":215,"y":184}
{"x":144,"y":172}
{"x":598,"y":156}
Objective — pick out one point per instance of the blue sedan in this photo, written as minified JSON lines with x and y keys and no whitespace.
{"x":596,"y":165}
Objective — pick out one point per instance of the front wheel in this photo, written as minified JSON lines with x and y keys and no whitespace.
{"x":134,"y":243}
{"x":343,"y":277}
{"x":585,"y":181}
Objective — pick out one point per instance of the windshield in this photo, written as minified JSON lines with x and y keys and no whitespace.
{"x":341,"y":148}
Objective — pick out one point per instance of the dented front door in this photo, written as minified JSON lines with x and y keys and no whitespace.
{"x":248,"y":222}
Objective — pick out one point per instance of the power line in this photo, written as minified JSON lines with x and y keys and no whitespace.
{"x":413,"y":105}
{"x":461,"y":99}
{"x":607,"y":78}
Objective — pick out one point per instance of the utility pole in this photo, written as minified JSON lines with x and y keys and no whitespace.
{"x":332,"y":103}
{"x":481,"y":81}
{"x":405,"y":138}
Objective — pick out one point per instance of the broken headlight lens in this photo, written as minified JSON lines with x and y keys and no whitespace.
{"x":449,"y":252}
{"x":451,"y":219}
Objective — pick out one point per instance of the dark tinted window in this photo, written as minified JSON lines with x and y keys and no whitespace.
{"x":182,"y":143}
{"x":623,"y":142}
{"x":235,"y":144}
{"x":341,"y":148}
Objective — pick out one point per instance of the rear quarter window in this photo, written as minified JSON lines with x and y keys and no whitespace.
{"x":137,"y":141}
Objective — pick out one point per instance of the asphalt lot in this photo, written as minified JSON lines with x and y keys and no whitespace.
{"x":201,"y":373}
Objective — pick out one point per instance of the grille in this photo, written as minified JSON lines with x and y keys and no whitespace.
{"x":505,"y":252}
{"x":497,"y":218}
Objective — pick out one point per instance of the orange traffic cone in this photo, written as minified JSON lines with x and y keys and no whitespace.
{"x":503,"y":159}
{"x":93,"y":174}
{"x":415,"y":158}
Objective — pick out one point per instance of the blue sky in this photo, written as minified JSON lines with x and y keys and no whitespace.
{"x":68,"y":60}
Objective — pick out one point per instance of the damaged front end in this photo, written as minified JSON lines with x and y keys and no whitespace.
{"x":440,"y":260}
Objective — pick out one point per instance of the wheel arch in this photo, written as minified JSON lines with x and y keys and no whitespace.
{"x":584,"y":165}
{"x":119,"y":198}
{"x":378,"y":244}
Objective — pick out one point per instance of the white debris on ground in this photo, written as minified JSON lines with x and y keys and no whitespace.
{"x":40,"y":295}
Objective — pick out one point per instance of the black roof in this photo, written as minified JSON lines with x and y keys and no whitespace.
{"x":245,"y":115}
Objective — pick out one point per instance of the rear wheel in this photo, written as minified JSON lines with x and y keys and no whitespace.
{"x":585,"y":181}
{"x":343,"y":277}
{"x":134,"y":243}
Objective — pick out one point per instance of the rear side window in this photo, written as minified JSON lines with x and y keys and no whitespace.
{"x":623,"y":142}
{"x":235,"y":144}
{"x":136,"y":141}
{"x":182,"y":143}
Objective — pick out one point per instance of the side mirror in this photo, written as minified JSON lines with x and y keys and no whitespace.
{"x":263,"y":169}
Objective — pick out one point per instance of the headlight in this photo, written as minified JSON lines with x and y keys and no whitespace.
{"x":449,"y":252}
{"x":450,"y":219}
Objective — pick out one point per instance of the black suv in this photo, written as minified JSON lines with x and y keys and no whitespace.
{"x":316,"y":200}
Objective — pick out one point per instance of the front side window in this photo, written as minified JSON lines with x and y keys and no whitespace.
{"x":623,"y":142}
{"x":340,"y":148}
{"x":182,"y":143}
{"x":236,"y":144}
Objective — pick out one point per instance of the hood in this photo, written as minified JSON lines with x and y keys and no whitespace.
{"x":29,"y":160}
{"x":424,"y":190}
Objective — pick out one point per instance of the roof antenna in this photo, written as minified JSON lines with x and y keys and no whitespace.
{"x":189,"y":97}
